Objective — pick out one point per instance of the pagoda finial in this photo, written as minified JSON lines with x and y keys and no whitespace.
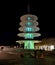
{"x":28,"y":8}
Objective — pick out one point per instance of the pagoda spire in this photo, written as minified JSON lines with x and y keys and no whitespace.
{"x":28,"y":8}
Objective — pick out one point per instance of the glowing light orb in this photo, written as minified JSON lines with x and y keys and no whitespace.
{"x":52,"y":47}
{"x":29,"y":18}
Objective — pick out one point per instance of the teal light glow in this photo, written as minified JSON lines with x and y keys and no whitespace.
{"x":29,"y":18}
{"x":29,"y":36}
{"x":29,"y":23}
{"x":29,"y":44}
{"x":28,"y":29}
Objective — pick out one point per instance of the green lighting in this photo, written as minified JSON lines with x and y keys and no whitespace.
{"x":28,"y":29}
{"x":29,"y":44}
{"x":29,"y":23}
{"x":29,"y":36}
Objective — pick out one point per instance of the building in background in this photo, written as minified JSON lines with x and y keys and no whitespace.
{"x":47,"y":44}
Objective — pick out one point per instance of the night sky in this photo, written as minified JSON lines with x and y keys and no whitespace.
{"x":11,"y":12}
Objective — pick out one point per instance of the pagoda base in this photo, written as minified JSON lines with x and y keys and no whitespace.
{"x":28,"y":44}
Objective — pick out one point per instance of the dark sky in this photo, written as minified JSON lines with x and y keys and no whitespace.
{"x":11,"y":12}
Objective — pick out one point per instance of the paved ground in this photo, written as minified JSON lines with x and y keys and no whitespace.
{"x":12,"y":57}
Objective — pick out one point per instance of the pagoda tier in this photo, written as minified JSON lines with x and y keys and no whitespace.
{"x":29,"y":29}
{"x":31,"y":22}
{"x":24,"y":17}
{"x":35,"y":41}
{"x":29,"y":35}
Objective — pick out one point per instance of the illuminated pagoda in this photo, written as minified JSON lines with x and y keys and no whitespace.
{"x":29,"y":28}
